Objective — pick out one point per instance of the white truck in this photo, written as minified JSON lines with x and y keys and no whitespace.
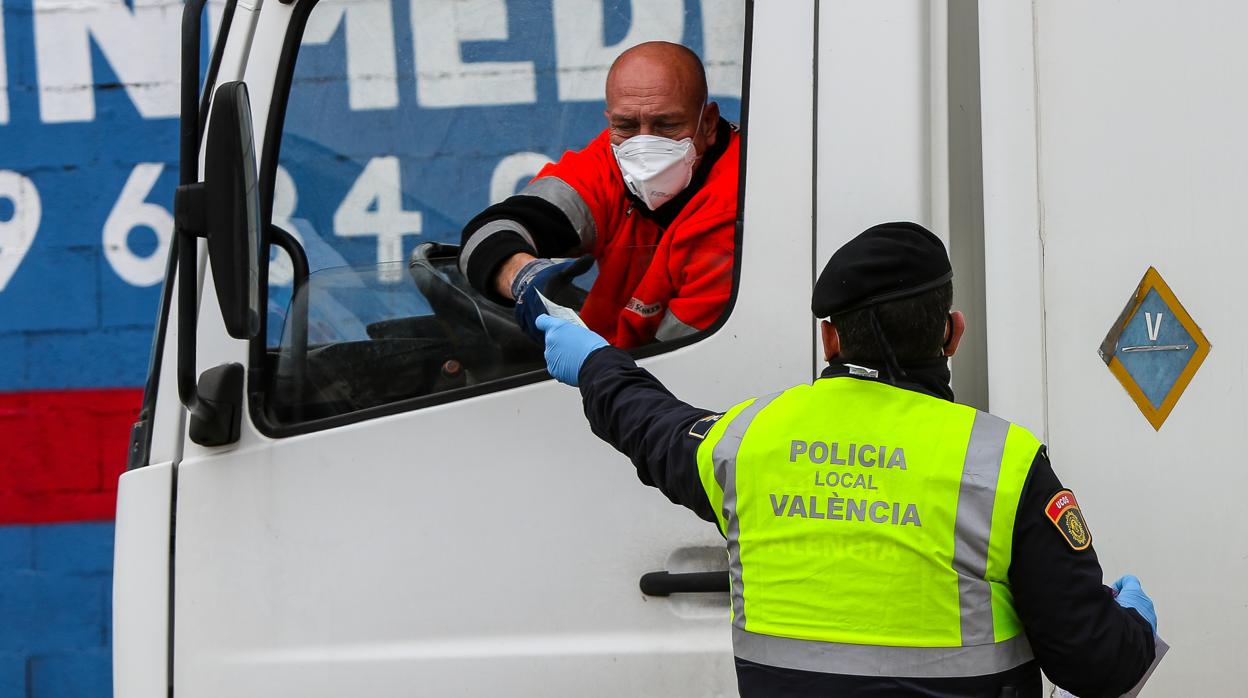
{"x":352,"y":479}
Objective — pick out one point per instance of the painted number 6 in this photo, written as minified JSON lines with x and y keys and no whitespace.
{"x":133,"y":211}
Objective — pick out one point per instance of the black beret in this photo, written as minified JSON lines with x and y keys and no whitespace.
{"x":886,"y":262}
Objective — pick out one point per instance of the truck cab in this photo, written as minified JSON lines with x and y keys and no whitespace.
{"x":352,"y":474}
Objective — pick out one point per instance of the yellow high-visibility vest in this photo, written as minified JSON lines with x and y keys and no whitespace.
{"x":869,"y":530}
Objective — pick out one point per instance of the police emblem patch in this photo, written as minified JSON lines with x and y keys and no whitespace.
{"x":702,"y":427}
{"x":1064,"y":512}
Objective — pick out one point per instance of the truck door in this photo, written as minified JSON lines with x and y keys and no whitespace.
{"x":413,"y":507}
{"x":1116,"y":148}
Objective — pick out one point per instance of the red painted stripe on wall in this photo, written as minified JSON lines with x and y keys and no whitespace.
{"x":61,"y":452}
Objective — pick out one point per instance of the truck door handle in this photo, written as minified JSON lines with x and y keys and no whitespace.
{"x":666,"y":583}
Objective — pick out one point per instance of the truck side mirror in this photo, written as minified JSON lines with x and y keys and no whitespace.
{"x":225,"y":209}
{"x":232,"y":215}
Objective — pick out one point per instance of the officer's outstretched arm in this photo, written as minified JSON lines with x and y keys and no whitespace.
{"x":1084,"y":641}
{"x":630,"y":409}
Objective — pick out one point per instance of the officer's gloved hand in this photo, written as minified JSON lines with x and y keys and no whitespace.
{"x":549,"y":277}
{"x":1131,"y":594}
{"x":567,"y":347}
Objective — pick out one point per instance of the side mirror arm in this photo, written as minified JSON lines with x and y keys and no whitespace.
{"x":188,"y":227}
{"x":213,"y":422}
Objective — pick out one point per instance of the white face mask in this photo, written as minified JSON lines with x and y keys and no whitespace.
{"x":655,"y":168}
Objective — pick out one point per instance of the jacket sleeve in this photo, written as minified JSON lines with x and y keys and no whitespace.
{"x":701,"y":266}
{"x":630,"y":409}
{"x":558,"y":214}
{"x":1084,"y":641}
{"x":702,"y":239}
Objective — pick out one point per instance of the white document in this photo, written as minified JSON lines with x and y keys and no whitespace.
{"x":1162,"y":647}
{"x":553,"y":309}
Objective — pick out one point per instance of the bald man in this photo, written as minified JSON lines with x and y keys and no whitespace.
{"x":653,"y":198}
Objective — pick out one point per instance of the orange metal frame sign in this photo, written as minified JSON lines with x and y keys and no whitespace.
{"x":1156,"y":415}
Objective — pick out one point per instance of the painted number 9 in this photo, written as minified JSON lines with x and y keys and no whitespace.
{"x":18,"y":226}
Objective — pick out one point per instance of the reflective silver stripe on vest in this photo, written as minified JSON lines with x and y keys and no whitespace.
{"x":873,"y":660}
{"x":481,"y":234}
{"x":724,"y":456}
{"x":565,"y":198}
{"x":973,"y":526}
{"x":673,"y":328}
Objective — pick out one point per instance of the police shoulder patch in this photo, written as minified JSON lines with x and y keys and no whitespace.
{"x":702,"y":427}
{"x":1064,"y":512}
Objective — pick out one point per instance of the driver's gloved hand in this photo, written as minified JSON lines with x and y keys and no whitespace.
{"x":548,"y":276}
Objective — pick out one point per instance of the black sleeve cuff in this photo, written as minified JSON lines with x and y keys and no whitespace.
{"x":486,"y":259}
{"x":553,"y":235}
{"x":600,"y":360}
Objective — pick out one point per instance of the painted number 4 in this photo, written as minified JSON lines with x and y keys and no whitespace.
{"x":374,"y":206}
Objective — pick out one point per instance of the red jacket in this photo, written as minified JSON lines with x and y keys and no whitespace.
{"x":661,"y":274}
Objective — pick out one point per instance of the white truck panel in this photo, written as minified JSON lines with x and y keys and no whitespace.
{"x":1014,"y":300}
{"x":1113,"y":142}
{"x":1144,"y":161}
{"x":141,"y":583}
{"x":873,"y":160}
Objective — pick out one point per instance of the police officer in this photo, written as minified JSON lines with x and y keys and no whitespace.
{"x":882,"y":539}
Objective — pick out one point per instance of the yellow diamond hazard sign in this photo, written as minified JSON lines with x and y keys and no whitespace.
{"x":1154,"y":348}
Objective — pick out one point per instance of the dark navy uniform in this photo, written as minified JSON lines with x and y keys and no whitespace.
{"x":1082,"y":639}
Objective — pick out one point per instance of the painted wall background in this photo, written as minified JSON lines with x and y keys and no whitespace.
{"x":78,"y":299}
{"x":88,"y":164}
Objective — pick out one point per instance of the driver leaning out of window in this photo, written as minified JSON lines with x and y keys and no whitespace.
{"x":652,"y":198}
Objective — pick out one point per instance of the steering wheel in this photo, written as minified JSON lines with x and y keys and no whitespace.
{"x":485,"y":331}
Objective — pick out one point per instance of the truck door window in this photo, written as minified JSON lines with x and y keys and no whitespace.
{"x":403,"y":121}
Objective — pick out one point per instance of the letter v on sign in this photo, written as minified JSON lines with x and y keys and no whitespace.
{"x":1154,"y":328}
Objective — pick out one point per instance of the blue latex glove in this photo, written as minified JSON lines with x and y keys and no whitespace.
{"x":550,"y":278}
{"x":567,"y":347}
{"x":1129,"y":593}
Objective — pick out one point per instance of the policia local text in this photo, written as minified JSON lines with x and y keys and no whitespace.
{"x":836,"y":508}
